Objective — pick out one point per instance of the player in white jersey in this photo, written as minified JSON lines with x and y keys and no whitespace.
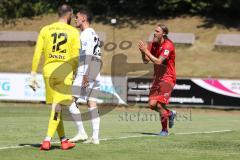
{"x":86,"y":84}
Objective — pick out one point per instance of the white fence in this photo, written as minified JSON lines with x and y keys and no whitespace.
{"x":15,"y":87}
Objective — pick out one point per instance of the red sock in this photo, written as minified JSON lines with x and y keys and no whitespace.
{"x":164,"y":120}
{"x":164,"y":116}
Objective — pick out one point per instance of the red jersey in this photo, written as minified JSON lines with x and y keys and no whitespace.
{"x":165,"y":71}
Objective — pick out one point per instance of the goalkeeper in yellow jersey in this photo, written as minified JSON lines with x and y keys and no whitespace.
{"x":60,"y":44}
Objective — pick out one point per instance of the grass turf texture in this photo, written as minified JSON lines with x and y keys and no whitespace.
{"x":22,"y":124}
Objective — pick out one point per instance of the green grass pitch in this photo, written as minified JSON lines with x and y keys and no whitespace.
{"x":126,"y":133}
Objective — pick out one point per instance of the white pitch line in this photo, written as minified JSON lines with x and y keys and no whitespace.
{"x":207,"y":132}
{"x":137,"y":136}
{"x":188,"y":133}
{"x":14,"y":147}
{"x":126,"y":137}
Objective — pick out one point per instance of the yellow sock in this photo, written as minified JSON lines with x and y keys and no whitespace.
{"x":60,"y":128}
{"x":53,"y":123}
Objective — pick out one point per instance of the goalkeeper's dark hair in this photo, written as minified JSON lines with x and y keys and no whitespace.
{"x":63,"y":9}
{"x":87,"y":13}
{"x":164,"y":29}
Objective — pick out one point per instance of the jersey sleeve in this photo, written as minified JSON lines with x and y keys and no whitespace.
{"x":87,"y":44}
{"x":86,"y":51}
{"x":38,"y":51}
{"x":166,"y":51}
{"x":96,"y":63}
{"x":91,"y":48}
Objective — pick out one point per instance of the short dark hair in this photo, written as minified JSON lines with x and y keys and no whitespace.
{"x":164,"y":29}
{"x":87,"y":13}
{"x":63,"y":9}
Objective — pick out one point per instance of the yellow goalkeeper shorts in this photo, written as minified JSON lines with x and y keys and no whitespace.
{"x":58,"y":79}
{"x":58,"y":90}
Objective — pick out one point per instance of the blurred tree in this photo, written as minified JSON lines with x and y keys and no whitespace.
{"x":22,"y":8}
{"x":153,"y":8}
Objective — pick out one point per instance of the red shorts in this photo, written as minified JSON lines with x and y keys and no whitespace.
{"x":161,"y":91}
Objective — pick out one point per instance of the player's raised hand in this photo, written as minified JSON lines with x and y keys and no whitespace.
{"x":33,"y":82}
{"x":142,"y":46}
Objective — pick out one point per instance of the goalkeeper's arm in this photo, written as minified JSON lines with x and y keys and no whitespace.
{"x":35,"y":62}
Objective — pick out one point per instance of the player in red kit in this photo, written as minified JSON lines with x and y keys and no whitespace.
{"x":161,"y":52}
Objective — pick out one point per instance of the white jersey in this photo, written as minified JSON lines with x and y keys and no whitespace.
{"x":90,"y":55}
{"x":90,"y":65}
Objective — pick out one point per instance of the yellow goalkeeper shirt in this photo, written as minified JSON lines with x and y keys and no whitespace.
{"x":60,"y":44}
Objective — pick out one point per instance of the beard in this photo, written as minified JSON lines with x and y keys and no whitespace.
{"x":156,"y":39}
